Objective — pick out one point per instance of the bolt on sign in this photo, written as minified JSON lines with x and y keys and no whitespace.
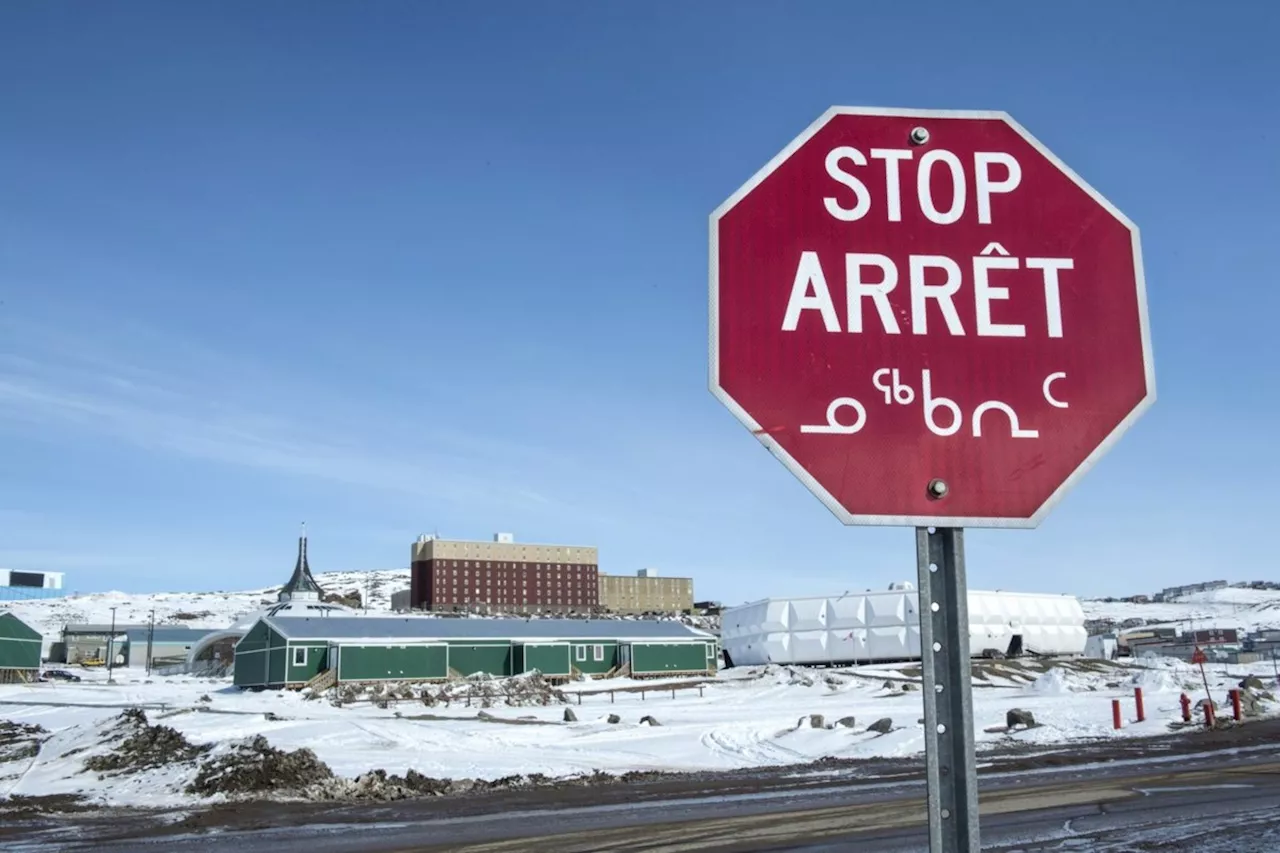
{"x":928,"y":317}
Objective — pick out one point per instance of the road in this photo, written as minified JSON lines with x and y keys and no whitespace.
{"x":1222,"y":799}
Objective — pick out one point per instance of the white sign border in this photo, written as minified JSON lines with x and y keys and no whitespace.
{"x":792,"y":465}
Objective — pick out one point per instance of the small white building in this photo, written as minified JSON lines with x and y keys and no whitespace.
{"x":885,"y":626}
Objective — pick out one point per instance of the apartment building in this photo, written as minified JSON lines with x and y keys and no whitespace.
{"x":505,"y":575}
{"x":645,"y":592}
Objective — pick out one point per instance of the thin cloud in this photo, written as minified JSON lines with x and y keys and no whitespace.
{"x":200,"y":417}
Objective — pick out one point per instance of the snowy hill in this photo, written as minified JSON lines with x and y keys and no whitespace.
{"x":196,"y":609}
{"x":1250,"y":609}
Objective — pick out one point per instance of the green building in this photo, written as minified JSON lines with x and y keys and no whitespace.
{"x":20,"y":647}
{"x":286,"y":651}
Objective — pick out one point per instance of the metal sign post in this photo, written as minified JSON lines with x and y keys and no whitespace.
{"x":948,"y":691}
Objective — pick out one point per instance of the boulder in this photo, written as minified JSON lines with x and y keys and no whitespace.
{"x":883,"y":726}
{"x":846,"y":722}
{"x":1252,"y":682}
{"x":614,"y":718}
{"x":460,"y":786}
{"x":1250,"y":705}
{"x":1019,"y":717}
{"x":909,"y":686}
{"x":816,"y":721}
{"x":648,"y":720}
{"x":569,"y":716}
{"x":1200,"y":706}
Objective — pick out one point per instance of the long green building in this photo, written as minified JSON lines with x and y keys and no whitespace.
{"x":20,"y":646}
{"x":285,"y":651}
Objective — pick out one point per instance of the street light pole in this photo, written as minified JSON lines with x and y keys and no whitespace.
{"x":111,"y":647}
{"x":151,"y":637}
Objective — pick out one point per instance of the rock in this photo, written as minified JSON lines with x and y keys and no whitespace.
{"x":646,"y":719}
{"x":460,"y":786}
{"x":888,"y":685}
{"x":614,"y":718}
{"x":883,"y":726}
{"x":846,"y":722}
{"x":1019,"y":717}
{"x":569,"y":716}
{"x":271,"y":717}
{"x":204,"y":698}
{"x":485,"y":715}
{"x":1250,"y":705}
{"x":909,"y":686}
{"x":1200,"y":706}
{"x":816,"y":721}
{"x":1252,"y":682}
{"x":254,"y":766}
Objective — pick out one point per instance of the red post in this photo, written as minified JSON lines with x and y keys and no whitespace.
{"x":1186,"y":708}
{"x":1115,"y":713}
{"x":1208,"y":715}
{"x":1235,"y":705}
{"x":1137,"y":698}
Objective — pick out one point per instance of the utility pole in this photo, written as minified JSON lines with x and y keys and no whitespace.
{"x":151,"y":636}
{"x":111,"y":648}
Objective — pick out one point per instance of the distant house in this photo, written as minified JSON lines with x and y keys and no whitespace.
{"x":20,"y":646}
{"x":290,"y":651}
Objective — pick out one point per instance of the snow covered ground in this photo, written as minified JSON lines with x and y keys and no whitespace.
{"x":197,"y":609}
{"x":745,"y":718}
{"x":1249,"y":609}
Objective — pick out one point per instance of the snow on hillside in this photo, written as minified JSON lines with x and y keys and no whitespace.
{"x":196,"y":609}
{"x":1250,"y":609}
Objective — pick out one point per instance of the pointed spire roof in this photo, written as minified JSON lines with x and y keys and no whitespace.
{"x":302,"y":585}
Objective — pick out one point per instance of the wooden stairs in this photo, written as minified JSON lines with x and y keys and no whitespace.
{"x":323,"y":680}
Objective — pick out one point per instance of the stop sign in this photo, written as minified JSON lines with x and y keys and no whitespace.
{"x":928,"y":317}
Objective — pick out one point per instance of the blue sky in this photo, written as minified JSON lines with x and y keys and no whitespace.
{"x":394,"y":268}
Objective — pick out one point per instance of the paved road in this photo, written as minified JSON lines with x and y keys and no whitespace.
{"x":1224,"y":800}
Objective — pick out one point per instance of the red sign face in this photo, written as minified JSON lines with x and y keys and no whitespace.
{"x":1198,"y":655}
{"x":928,"y":317}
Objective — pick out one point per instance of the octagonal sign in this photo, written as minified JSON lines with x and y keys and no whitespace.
{"x":928,"y":317}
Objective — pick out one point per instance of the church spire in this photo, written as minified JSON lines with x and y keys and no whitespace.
{"x":301,"y":585}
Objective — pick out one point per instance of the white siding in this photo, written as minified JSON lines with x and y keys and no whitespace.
{"x":885,"y":626}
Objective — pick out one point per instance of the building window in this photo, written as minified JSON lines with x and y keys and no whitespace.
{"x":300,"y":657}
{"x":598,"y":652}
{"x":581,"y":653}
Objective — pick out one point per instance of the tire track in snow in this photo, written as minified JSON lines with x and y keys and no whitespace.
{"x":747,"y":742}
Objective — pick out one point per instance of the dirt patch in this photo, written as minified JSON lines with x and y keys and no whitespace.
{"x":184,"y":616}
{"x":141,"y":746}
{"x":19,"y":741}
{"x":256,"y":767}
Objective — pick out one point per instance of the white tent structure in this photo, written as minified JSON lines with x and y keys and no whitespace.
{"x":885,"y":626}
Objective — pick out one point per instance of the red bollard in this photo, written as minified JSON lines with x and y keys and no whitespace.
{"x":1186,"y":708}
{"x":1137,"y":697}
{"x":1115,"y":713}
{"x":1208,"y":715}
{"x":1235,"y":705}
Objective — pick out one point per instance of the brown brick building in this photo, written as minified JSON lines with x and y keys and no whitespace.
{"x":503,"y":575}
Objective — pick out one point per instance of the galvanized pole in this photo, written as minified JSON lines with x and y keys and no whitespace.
{"x":151,"y":637}
{"x":948,"y":691}
{"x":111,"y":647}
